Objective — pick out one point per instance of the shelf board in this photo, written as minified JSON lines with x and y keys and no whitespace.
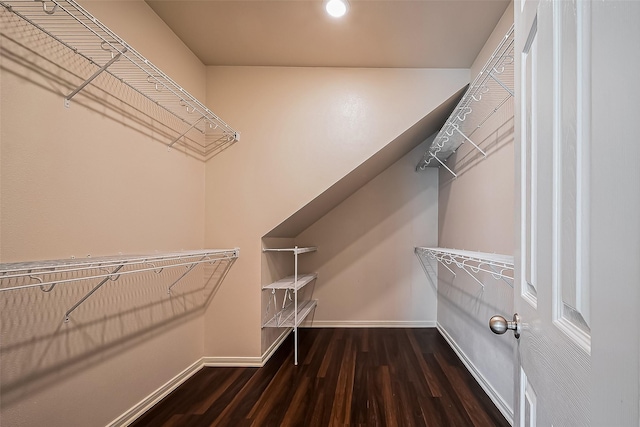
{"x":289,"y":282}
{"x":294,"y":250}
{"x":285,"y":318}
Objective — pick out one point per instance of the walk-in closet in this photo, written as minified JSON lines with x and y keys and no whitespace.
{"x":318,"y":213}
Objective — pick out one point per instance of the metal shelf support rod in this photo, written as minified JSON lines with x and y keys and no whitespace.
{"x":462,"y":266}
{"x":91,"y":292}
{"x":191,"y":267}
{"x":501,"y":84}
{"x":90,"y":79}
{"x":472,"y":143}
{"x":445,"y":166}
{"x":185,"y":132}
{"x":445,"y":265}
{"x":295,"y":303}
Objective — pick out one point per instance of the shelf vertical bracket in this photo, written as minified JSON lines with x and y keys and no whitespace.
{"x":102,"y":69}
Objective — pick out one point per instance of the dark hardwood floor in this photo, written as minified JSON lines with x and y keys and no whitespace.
{"x":346,"y":377}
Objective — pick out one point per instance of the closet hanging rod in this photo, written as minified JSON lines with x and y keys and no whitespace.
{"x":32,"y":271}
{"x":490,"y":83}
{"x":74,"y":27}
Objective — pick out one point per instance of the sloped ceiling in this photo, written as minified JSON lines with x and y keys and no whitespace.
{"x":375,"y":33}
{"x":368,"y":170}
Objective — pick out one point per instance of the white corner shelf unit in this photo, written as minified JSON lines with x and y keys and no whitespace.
{"x":292,"y":311}
{"x":472,"y":263}
{"x":75,"y":28}
{"x":490,"y":90}
{"x":46,"y":275}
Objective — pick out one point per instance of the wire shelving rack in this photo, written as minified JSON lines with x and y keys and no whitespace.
{"x":47,"y":275}
{"x":472,"y":263}
{"x":491,"y":89}
{"x":76,"y":29}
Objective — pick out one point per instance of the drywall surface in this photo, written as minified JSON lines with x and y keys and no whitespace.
{"x":93,"y":179}
{"x":302,"y":130}
{"x":367,"y":170}
{"x":477,"y":214}
{"x":368,"y":274}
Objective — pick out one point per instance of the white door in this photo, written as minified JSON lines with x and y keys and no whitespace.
{"x":577,"y":161}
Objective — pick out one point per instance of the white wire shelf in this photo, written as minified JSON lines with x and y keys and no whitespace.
{"x":46,"y":275}
{"x":490,"y":90}
{"x":296,"y":250}
{"x":473,"y":263}
{"x":291,"y":285}
{"x":43,"y":274}
{"x":286,"y":317}
{"x":291,"y":282}
{"x":72,"y":26}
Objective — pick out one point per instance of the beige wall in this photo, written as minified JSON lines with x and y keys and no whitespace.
{"x":484,"y":186}
{"x":93,"y":179}
{"x":477,"y":214}
{"x":157,"y":42}
{"x":368,"y":274}
{"x":302,"y":129}
{"x":97,"y":179}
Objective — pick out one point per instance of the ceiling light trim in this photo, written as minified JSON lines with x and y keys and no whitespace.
{"x":336,"y":8}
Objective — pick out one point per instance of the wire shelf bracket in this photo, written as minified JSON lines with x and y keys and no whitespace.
{"x":484,"y":97}
{"x":500,"y":267}
{"x":67,"y":99}
{"x":74,"y":27}
{"x":46,"y":275}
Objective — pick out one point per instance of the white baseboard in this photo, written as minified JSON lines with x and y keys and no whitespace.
{"x":371,"y":324}
{"x":254,"y":362}
{"x":500,"y":403}
{"x":145,"y":404}
{"x":220,"y":362}
{"x":275,"y":345}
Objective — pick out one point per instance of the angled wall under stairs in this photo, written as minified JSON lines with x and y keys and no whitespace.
{"x":310,"y":138}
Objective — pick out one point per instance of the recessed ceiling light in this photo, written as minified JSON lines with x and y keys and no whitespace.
{"x":336,"y":8}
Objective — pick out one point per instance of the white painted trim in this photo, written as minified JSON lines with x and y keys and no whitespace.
{"x":500,"y":403}
{"x":372,"y":324}
{"x":276,"y":344}
{"x":145,"y":404}
{"x":221,"y":362}
{"x":251,"y":362}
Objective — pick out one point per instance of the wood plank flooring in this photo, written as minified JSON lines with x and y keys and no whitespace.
{"x":345,"y":377}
